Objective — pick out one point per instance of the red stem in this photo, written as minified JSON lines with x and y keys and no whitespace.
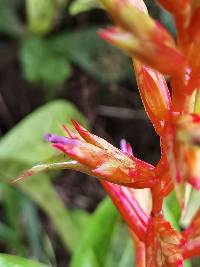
{"x":140,"y":251}
{"x":157,"y":199}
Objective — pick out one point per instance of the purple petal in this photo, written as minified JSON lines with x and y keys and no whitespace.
{"x":123,"y":145}
{"x":53,"y":138}
{"x":126,"y":147}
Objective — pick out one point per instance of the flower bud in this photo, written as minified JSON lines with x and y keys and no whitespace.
{"x":142,"y":37}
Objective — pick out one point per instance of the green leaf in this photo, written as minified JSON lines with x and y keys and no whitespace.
{"x":187,"y":263}
{"x":25,"y":142}
{"x":172,"y":210}
{"x":9,"y":21}
{"x":41,"y":15}
{"x":81,"y":219}
{"x":9,"y":237}
{"x":40,"y":63}
{"x":42,"y":192}
{"x":79,"y":6}
{"x":89,"y":52}
{"x":32,"y":227}
{"x":15,"y":261}
{"x":11,"y":199}
{"x":121,"y":250}
{"x":167,"y":20}
{"x":192,"y":207}
{"x":128,"y":255}
{"x":23,"y":146}
{"x":97,"y":234}
{"x":89,"y":259}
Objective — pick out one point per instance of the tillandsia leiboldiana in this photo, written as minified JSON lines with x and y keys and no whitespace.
{"x":136,"y":187}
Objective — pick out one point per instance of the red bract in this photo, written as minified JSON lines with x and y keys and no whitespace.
{"x":136,"y":187}
{"x":103,"y":160}
{"x":163,"y":244}
{"x":154,"y":93}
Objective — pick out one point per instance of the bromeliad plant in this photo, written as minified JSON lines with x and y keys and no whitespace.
{"x":175,"y":118}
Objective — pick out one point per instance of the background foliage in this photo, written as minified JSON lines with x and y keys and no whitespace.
{"x":55,"y":67}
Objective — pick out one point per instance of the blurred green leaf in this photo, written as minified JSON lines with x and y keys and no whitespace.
{"x":78,"y":6}
{"x":9,"y":238}
{"x":50,"y":257}
{"x":128,"y":255}
{"x":81,"y":219}
{"x":23,"y":146}
{"x":89,"y":259}
{"x":89,"y":52}
{"x":41,"y":15}
{"x":172,"y":210}
{"x":97,"y":234}
{"x":41,"y":190}
{"x":193,"y":206}
{"x":187,"y":263}
{"x":12,"y":261}
{"x":11,"y":204}
{"x":9,"y":21}
{"x":121,"y":250}
{"x":167,"y":20}
{"x":25,"y":143}
{"x":40,"y":63}
{"x":33,"y":228}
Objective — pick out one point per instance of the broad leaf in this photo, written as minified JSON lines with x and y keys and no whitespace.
{"x":79,"y":6}
{"x":23,"y":146}
{"x":121,"y":250}
{"x":41,"y":15}
{"x":97,"y":234}
{"x":41,"y":64}
{"x":11,"y":261}
{"x":89,"y":259}
{"x":25,"y":142}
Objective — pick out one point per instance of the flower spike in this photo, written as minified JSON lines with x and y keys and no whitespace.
{"x":137,"y":188}
{"x":170,"y":60}
{"x":142,"y":37}
{"x":104,"y":160}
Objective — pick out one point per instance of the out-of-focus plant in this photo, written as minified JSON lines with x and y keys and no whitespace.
{"x":43,"y":14}
{"x":137,"y":188}
{"x":20,"y":221}
{"x":47,"y":54}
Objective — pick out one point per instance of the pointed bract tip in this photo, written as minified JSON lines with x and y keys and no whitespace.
{"x":77,"y":126}
{"x":69,"y":132}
